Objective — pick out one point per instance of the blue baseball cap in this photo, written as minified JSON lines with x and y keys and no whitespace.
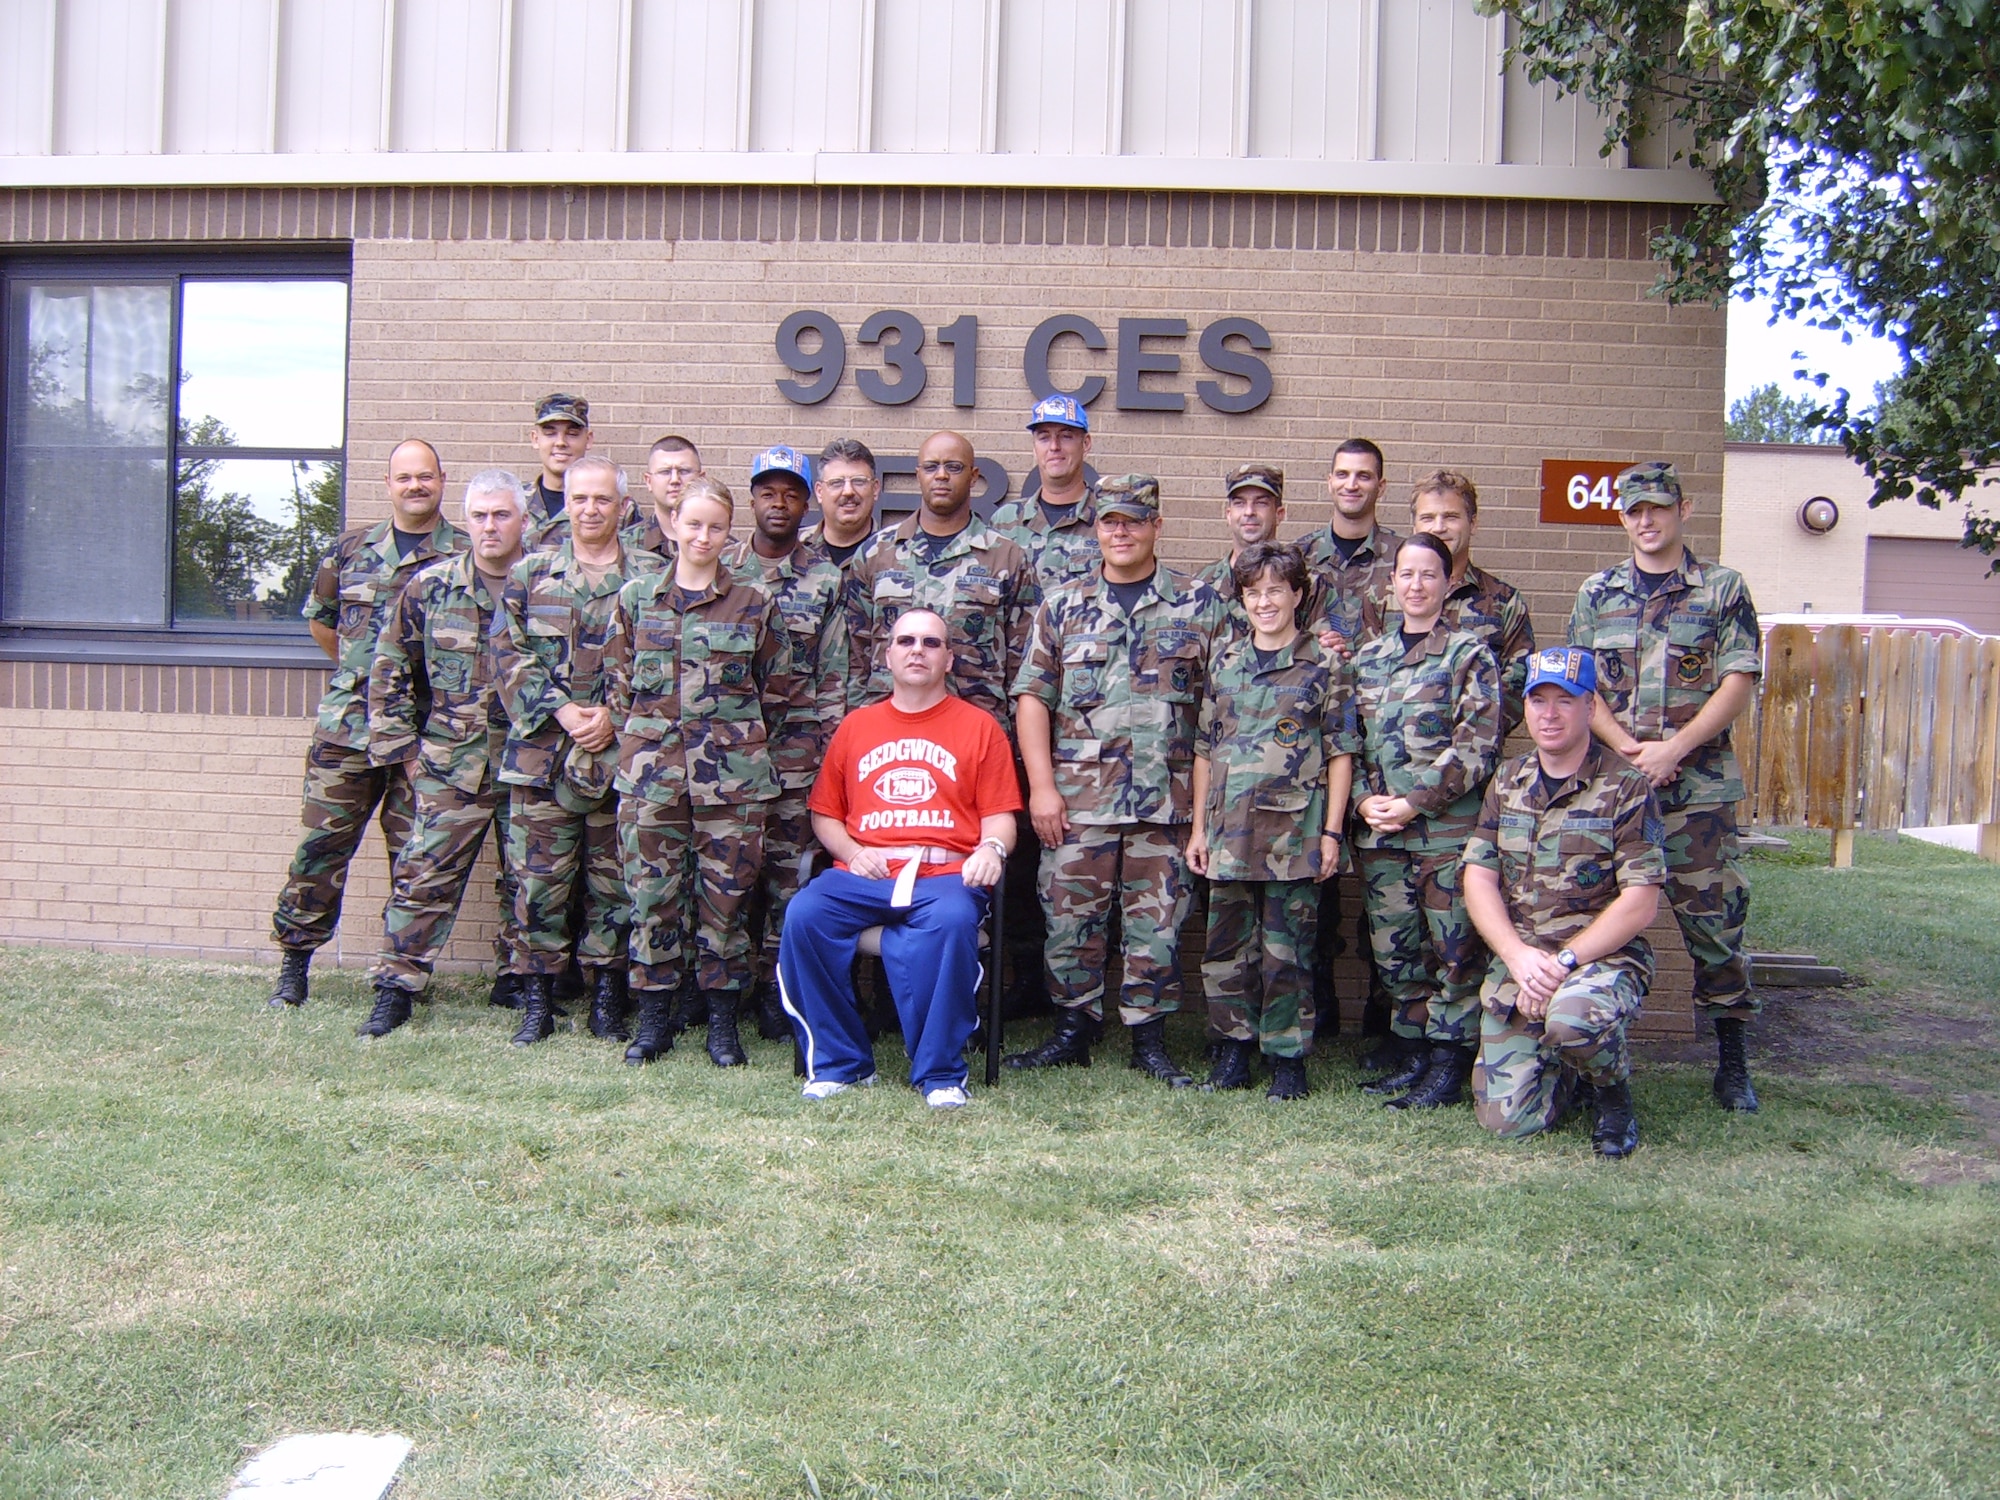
{"x":783,"y":460}
{"x":1571,"y":668}
{"x":1064,"y":411}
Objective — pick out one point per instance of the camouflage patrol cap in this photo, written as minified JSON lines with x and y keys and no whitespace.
{"x":1266,"y":477}
{"x":1571,"y":668}
{"x":1653,"y":482}
{"x":557,"y":407}
{"x":1129,"y":495}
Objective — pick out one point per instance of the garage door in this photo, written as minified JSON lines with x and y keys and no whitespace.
{"x":1910,"y":576}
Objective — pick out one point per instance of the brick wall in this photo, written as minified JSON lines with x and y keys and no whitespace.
{"x":1482,"y":336}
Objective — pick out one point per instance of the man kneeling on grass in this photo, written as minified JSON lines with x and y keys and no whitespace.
{"x":1562,"y":875}
{"x":916,"y":803}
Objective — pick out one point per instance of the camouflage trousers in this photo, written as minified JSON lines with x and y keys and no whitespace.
{"x":551,"y":843}
{"x":1425,"y":947}
{"x":1139,"y":867}
{"x":1711,"y":902}
{"x":788,"y":833}
{"x":1528,"y":1070}
{"x":687,"y":861}
{"x":342,"y":791}
{"x":432,"y":873}
{"x":1260,"y":941}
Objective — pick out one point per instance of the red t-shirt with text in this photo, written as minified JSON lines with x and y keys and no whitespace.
{"x":897,"y":779}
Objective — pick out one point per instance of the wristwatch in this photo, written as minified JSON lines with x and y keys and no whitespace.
{"x":996,"y":846}
{"x":1567,"y":959}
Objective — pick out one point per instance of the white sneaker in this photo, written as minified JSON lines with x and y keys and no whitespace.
{"x":826,"y":1088}
{"x":951,"y":1096}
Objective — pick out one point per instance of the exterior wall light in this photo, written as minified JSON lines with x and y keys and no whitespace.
{"x":1819,"y":515}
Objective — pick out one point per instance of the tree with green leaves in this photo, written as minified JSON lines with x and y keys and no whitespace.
{"x":1768,"y":415}
{"x":1854,"y":149}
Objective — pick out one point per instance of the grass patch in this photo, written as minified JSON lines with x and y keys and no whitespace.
{"x":562,"y":1277}
{"x":1908,"y":916}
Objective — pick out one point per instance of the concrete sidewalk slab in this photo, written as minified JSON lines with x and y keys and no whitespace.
{"x":324,"y":1466}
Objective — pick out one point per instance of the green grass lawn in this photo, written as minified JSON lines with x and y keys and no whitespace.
{"x":562,"y":1277}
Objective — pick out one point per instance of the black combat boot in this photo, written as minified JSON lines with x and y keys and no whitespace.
{"x":1616,"y":1133}
{"x":690,"y":1010}
{"x":656,"y":1037}
{"x":1582,"y":1101}
{"x":1732,"y":1074}
{"x":291,"y":987}
{"x":773,"y":1025}
{"x":538,"y":1003}
{"x":1443,"y":1082}
{"x":1235,"y":1066}
{"x":724,"y":1050}
{"x":1149,"y":1054}
{"x":609,"y":1002}
{"x":506,"y":992}
{"x":1068,"y":1044}
{"x":392,"y":1009}
{"x":1288,"y":1079}
{"x":1406,"y":1058}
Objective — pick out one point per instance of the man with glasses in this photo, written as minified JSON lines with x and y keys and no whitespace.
{"x":670,"y":464}
{"x":355,"y":588}
{"x":946,"y":560}
{"x":1107,"y":704}
{"x":916,"y":804}
{"x":849,"y":487}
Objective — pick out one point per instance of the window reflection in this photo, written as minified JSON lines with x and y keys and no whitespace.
{"x":248,"y":534}
{"x":267,"y":360}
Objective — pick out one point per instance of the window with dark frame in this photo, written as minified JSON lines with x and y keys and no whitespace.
{"x":174,"y":446}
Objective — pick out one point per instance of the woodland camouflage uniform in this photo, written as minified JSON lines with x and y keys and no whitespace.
{"x":1267,"y":733}
{"x":1431,"y":719}
{"x":806,"y":590}
{"x":434,"y":710}
{"x":696,"y":681}
{"x":1123,"y":693}
{"x":1562,"y":853}
{"x":552,"y":627}
{"x":353,"y":591}
{"x":1659,"y":659}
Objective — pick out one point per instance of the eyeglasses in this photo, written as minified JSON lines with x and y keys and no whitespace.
{"x":855,"y":482}
{"x":949,"y":466}
{"x":1123,"y":523}
{"x":1276,"y":595}
{"x":911,"y":642}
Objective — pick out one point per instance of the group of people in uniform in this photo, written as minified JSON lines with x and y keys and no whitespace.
{"x":645,"y":707}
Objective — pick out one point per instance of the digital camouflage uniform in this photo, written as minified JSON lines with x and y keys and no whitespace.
{"x":982,"y":586}
{"x":434,"y":710}
{"x":1658,"y":661}
{"x":1267,"y":734}
{"x":806,"y":588}
{"x":1492,"y":612}
{"x":695,"y":682}
{"x":1058,"y":554}
{"x":553,"y":624}
{"x":1431,"y":720}
{"x":1562,"y":855}
{"x":354,"y":589}
{"x":1124,"y":695}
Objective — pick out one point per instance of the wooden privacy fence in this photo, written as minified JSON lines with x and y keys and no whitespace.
{"x":1871,"y":728}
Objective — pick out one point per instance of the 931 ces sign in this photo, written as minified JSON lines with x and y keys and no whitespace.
{"x":1146,"y":366}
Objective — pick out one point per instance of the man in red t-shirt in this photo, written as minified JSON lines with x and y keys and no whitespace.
{"x":915,"y":802}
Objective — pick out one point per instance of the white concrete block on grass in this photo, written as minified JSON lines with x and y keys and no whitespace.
{"x":324,"y":1466}
{"x":1952,"y":836}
